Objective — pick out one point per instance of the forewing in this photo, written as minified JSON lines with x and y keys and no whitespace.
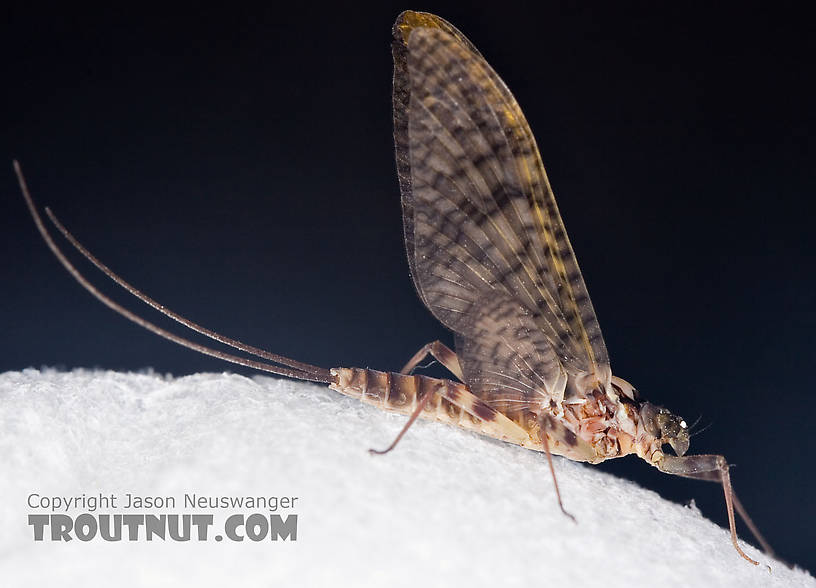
{"x":506,"y":359}
{"x":480,"y":217}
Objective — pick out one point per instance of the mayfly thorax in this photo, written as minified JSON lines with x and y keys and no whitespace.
{"x":490,"y":258}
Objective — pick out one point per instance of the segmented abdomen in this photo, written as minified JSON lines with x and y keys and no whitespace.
{"x":401,"y":393}
{"x":452,"y":403}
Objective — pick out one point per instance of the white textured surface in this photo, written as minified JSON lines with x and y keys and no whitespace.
{"x":445,"y":508}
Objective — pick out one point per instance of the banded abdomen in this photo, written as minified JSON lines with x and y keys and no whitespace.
{"x":451,"y":402}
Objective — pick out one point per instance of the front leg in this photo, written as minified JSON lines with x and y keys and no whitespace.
{"x":713,"y":468}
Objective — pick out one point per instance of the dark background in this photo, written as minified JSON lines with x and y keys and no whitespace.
{"x":238,"y":165}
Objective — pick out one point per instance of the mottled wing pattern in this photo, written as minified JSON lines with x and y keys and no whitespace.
{"x":486,"y":245}
{"x":510,"y":360}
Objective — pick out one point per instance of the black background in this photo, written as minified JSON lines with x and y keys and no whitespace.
{"x":237,"y":164}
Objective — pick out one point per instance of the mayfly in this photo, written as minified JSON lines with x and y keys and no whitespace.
{"x":491,"y":260}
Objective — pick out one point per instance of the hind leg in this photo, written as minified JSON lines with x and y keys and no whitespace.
{"x":439,"y":351}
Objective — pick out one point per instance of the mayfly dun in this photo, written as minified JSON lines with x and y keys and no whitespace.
{"x":491,"y":260}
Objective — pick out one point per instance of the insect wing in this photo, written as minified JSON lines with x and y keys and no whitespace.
{"x":480,"y":219}
{"x":508,"y":361}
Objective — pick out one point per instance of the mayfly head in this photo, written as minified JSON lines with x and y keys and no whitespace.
{"x":665,"y":426}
